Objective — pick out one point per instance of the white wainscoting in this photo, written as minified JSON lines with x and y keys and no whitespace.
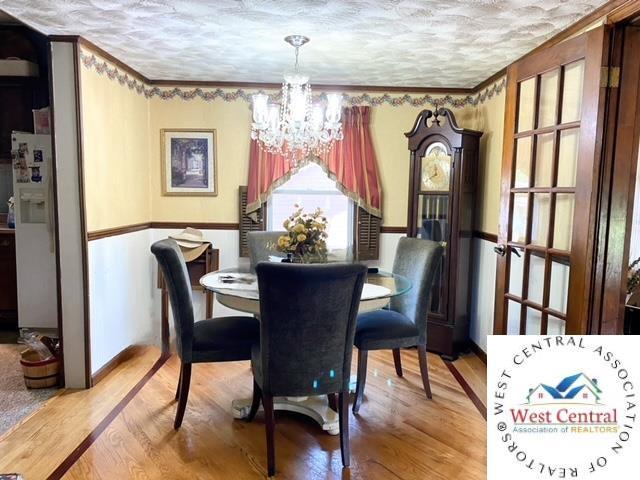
{"x":483,"y":291}
{"x":125,"y":300}
{"x":122,"y":295}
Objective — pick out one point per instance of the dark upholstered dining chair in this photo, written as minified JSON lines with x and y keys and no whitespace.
{"x":404,"y":324}
{"x":259,"y":250}
{"x":307,"y":323}
{"x":223,"y":339}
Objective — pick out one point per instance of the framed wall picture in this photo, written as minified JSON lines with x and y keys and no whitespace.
{"x":188,"y":162}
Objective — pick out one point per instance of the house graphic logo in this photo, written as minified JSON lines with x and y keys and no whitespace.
{"x":563,"y":406}
{"x":574,"y":389}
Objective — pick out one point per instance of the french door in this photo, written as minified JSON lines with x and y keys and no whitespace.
{"x":549,"y":184}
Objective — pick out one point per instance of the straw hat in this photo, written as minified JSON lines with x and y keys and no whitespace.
{"x":191,"y":242}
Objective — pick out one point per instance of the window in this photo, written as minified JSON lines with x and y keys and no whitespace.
{"x":310,"y":188}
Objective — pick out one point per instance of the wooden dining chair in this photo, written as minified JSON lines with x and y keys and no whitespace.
{"x":307,"y":323}
{"x":404,"y":324}
{"x":222,"y":339}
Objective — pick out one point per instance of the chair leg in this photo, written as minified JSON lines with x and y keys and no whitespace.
{"x":184,"y":394}
{"x":362,"y":379}
{"x":424,"y":369}
{"x":343,"y":415}
{"x":255,"y":403}
{"x":397,"y":360}
{"x":333,"y":401}
{"x":179,"y":383}
{"x":270,"y":426}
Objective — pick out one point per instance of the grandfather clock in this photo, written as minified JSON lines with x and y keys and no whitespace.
{"x":442,"y":184}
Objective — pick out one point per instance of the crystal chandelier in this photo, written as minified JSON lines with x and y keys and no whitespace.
{"x":297,"y":127}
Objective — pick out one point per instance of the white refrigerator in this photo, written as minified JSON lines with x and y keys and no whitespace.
{"x":35,"y":250}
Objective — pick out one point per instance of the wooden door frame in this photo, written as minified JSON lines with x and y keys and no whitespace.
{"x":594,"y":44}
{"x":615,"y":207}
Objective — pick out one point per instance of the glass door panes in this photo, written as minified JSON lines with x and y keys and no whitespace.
{"x":433,"y":224}
{"x":546,"y":138}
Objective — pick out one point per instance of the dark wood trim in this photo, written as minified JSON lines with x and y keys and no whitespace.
{"x":199,"y":225}
{"x":83,"y":215}
{"x":385,"y":229}
{"x":112,"y":232}
{"x":479,"y":404}
{"x":73,"y":457}
{"x":475,"y":348}
{"x":56,"y":227}
{"x":615,"y":209}
{"x":490,"y":81}
{"x":624,"y":13}
{"x":136,"y":227}
{"x":125,"y":355}
{"x":489,"y":237}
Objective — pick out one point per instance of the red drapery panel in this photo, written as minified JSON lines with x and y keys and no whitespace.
{"x":351,"y":163}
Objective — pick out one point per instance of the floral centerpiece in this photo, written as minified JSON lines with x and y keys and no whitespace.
{"x":306,"y":237}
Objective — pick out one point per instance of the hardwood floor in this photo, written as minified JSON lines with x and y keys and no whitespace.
{"x":399,"y":434}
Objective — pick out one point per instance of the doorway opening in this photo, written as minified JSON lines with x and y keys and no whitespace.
{"x":30,"y":356}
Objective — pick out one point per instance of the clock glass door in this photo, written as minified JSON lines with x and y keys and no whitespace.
{"x":434,"y":212}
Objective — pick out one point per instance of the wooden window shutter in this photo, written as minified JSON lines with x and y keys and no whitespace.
{"x":247,"y":224}
{"x":367,"y":235}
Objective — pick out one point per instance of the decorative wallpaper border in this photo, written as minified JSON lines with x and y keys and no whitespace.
{"x":92,"y":62}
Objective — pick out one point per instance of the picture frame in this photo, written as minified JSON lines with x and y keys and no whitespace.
{"x":189,"y":162}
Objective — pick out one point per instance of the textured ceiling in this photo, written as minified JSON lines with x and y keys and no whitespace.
{"x":451,"y":43}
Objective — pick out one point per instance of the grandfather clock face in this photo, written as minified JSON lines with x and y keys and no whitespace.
{"x":436,"y":168}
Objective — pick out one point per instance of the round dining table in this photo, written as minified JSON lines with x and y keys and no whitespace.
{"x":237,"y":288}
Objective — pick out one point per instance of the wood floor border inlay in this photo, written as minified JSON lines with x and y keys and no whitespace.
{"x":467,"y":388}
{"x":73,"y":457}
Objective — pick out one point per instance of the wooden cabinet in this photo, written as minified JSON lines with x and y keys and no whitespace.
{"x":442,"y":185}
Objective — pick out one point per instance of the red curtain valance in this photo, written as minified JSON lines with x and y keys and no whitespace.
{"x":351,"y":163}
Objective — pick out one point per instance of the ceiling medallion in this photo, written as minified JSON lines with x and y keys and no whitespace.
{"x":296,"y":128}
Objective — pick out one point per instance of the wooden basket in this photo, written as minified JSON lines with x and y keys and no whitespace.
{"x":39,"y":373}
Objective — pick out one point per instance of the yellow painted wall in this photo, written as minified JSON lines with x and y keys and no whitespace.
{"x":388,"y":126}
{"x":488,"y":117}
{"x":123,"y":166}
{"x":232,"y":122}
{"x":115,"y":129}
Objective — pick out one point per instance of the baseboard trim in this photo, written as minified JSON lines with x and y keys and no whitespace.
{"x":481,"y":354}
{"x":125,"y":355}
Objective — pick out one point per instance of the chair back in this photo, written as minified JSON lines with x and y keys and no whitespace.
{"x":176,"y":277}
{"x":307,"y":325}
{"x":259,"y":250}
{"x":418,"y":260}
